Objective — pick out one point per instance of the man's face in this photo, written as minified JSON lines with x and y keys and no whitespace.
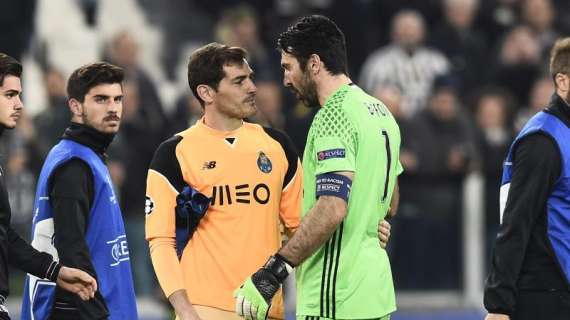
{"x":567,"y":80}
{"x":298,"y":80}
{"x":408,"y":31}
{"x":10,"y":104}
{"x":235,"y":97}
{"x":103,"y":107}
{"x":444,"y":104}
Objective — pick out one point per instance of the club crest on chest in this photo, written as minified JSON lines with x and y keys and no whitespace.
{"x":263,"y":163}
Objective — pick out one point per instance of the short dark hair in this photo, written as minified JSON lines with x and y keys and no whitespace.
{"x":92,"y":75}
{"x":206,"y":65}
{"x":9,"y":67}
{"x":318,"y":35}
{"x":560,"y":58}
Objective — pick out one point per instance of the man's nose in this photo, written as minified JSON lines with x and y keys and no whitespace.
{"x":19,"y":105}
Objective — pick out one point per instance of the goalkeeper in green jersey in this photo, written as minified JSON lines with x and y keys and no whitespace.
{"x":351,"y":164}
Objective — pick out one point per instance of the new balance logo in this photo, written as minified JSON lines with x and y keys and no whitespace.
{"x":209,"y":165}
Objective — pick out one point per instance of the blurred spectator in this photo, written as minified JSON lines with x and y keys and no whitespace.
{"x":187,"y":111}
{"x":539,"y":97}
{"x":519,"y":62}
{"x":89,"y":8}
{"x":463,"y":45}
{"x":269,"y":109}
{"x":52,"y":121}
{"x":124,"y":52}
{"x":366,"y":35}
{"x":182,"y":22}
{"x":539,"y":16}
{"x":498,"y":16}
{"x":380,"y":13}
{"x":17,"y":26}
{"x":238,"y":26}
{"x":441,"y":142}
{"x":140,"y":135}
{"x":406,"y":63}
{"x":494,"y":136}
{"x":391,"y":96}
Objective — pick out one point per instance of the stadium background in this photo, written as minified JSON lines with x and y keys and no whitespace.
{"x":461,"y":77}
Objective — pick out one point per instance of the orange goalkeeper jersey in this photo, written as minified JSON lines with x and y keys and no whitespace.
{"x":254,"y":179}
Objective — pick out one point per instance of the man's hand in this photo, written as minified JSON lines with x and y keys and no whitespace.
{"x":192,"y":315}
{"x":496,"y":316}
{"x":78,"y":282}
{"x":384,"y":233}
{"x":253,"y":298}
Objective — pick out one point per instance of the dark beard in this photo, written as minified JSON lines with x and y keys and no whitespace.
{"x":308,"y":93}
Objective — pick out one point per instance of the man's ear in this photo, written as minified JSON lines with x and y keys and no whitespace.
{"x":206,"y":93}
{"x":562,"y":82}
{"x":75,"y":107}
{"x":314,"y":64}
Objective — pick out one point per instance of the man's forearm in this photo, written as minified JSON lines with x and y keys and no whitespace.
{"x":316,"y":228}
{"x":27,"y":258}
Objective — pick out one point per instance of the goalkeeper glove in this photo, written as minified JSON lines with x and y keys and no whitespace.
{"x":253,"y":298}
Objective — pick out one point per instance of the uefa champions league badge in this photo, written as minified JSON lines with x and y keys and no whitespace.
{"x":148,"y":205}
{"x":264,"y":163}
{"x":329,"y":154}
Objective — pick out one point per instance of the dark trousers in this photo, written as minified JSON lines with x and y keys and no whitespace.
{"x":535,"y":305}
{"x":59,"y":314}
{"x":4,"y":316}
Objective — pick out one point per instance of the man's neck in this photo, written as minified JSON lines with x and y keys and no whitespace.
{"x":88,"y":136}
{"x":221,"y":122}
{"x":329,"y":85}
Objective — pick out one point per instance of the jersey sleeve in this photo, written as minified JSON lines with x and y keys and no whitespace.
{"x":291,"y":196}
{"x":292,"y":192}
{"x":164,"y":182}
{"x":335,"y":140}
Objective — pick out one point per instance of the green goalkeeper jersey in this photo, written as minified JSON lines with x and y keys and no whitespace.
{"x":349,"y":277}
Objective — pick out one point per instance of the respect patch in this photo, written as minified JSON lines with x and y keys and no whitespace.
{"x":332,"y":184}
{"x":330,"y":154}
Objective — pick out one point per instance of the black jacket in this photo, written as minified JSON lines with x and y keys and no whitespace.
{"x":523,"y":259}
{"x":71,"y":190}
{"x":16,"y":251}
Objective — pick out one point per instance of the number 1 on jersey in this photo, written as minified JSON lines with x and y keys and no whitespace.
{"x":388,"y":164}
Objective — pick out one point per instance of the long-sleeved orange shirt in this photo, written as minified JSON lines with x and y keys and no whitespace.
{"x":254,"y":179}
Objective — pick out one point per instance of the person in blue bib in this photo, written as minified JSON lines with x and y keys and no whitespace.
{"x":76,"y":212}
{"x":530,"y":271}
